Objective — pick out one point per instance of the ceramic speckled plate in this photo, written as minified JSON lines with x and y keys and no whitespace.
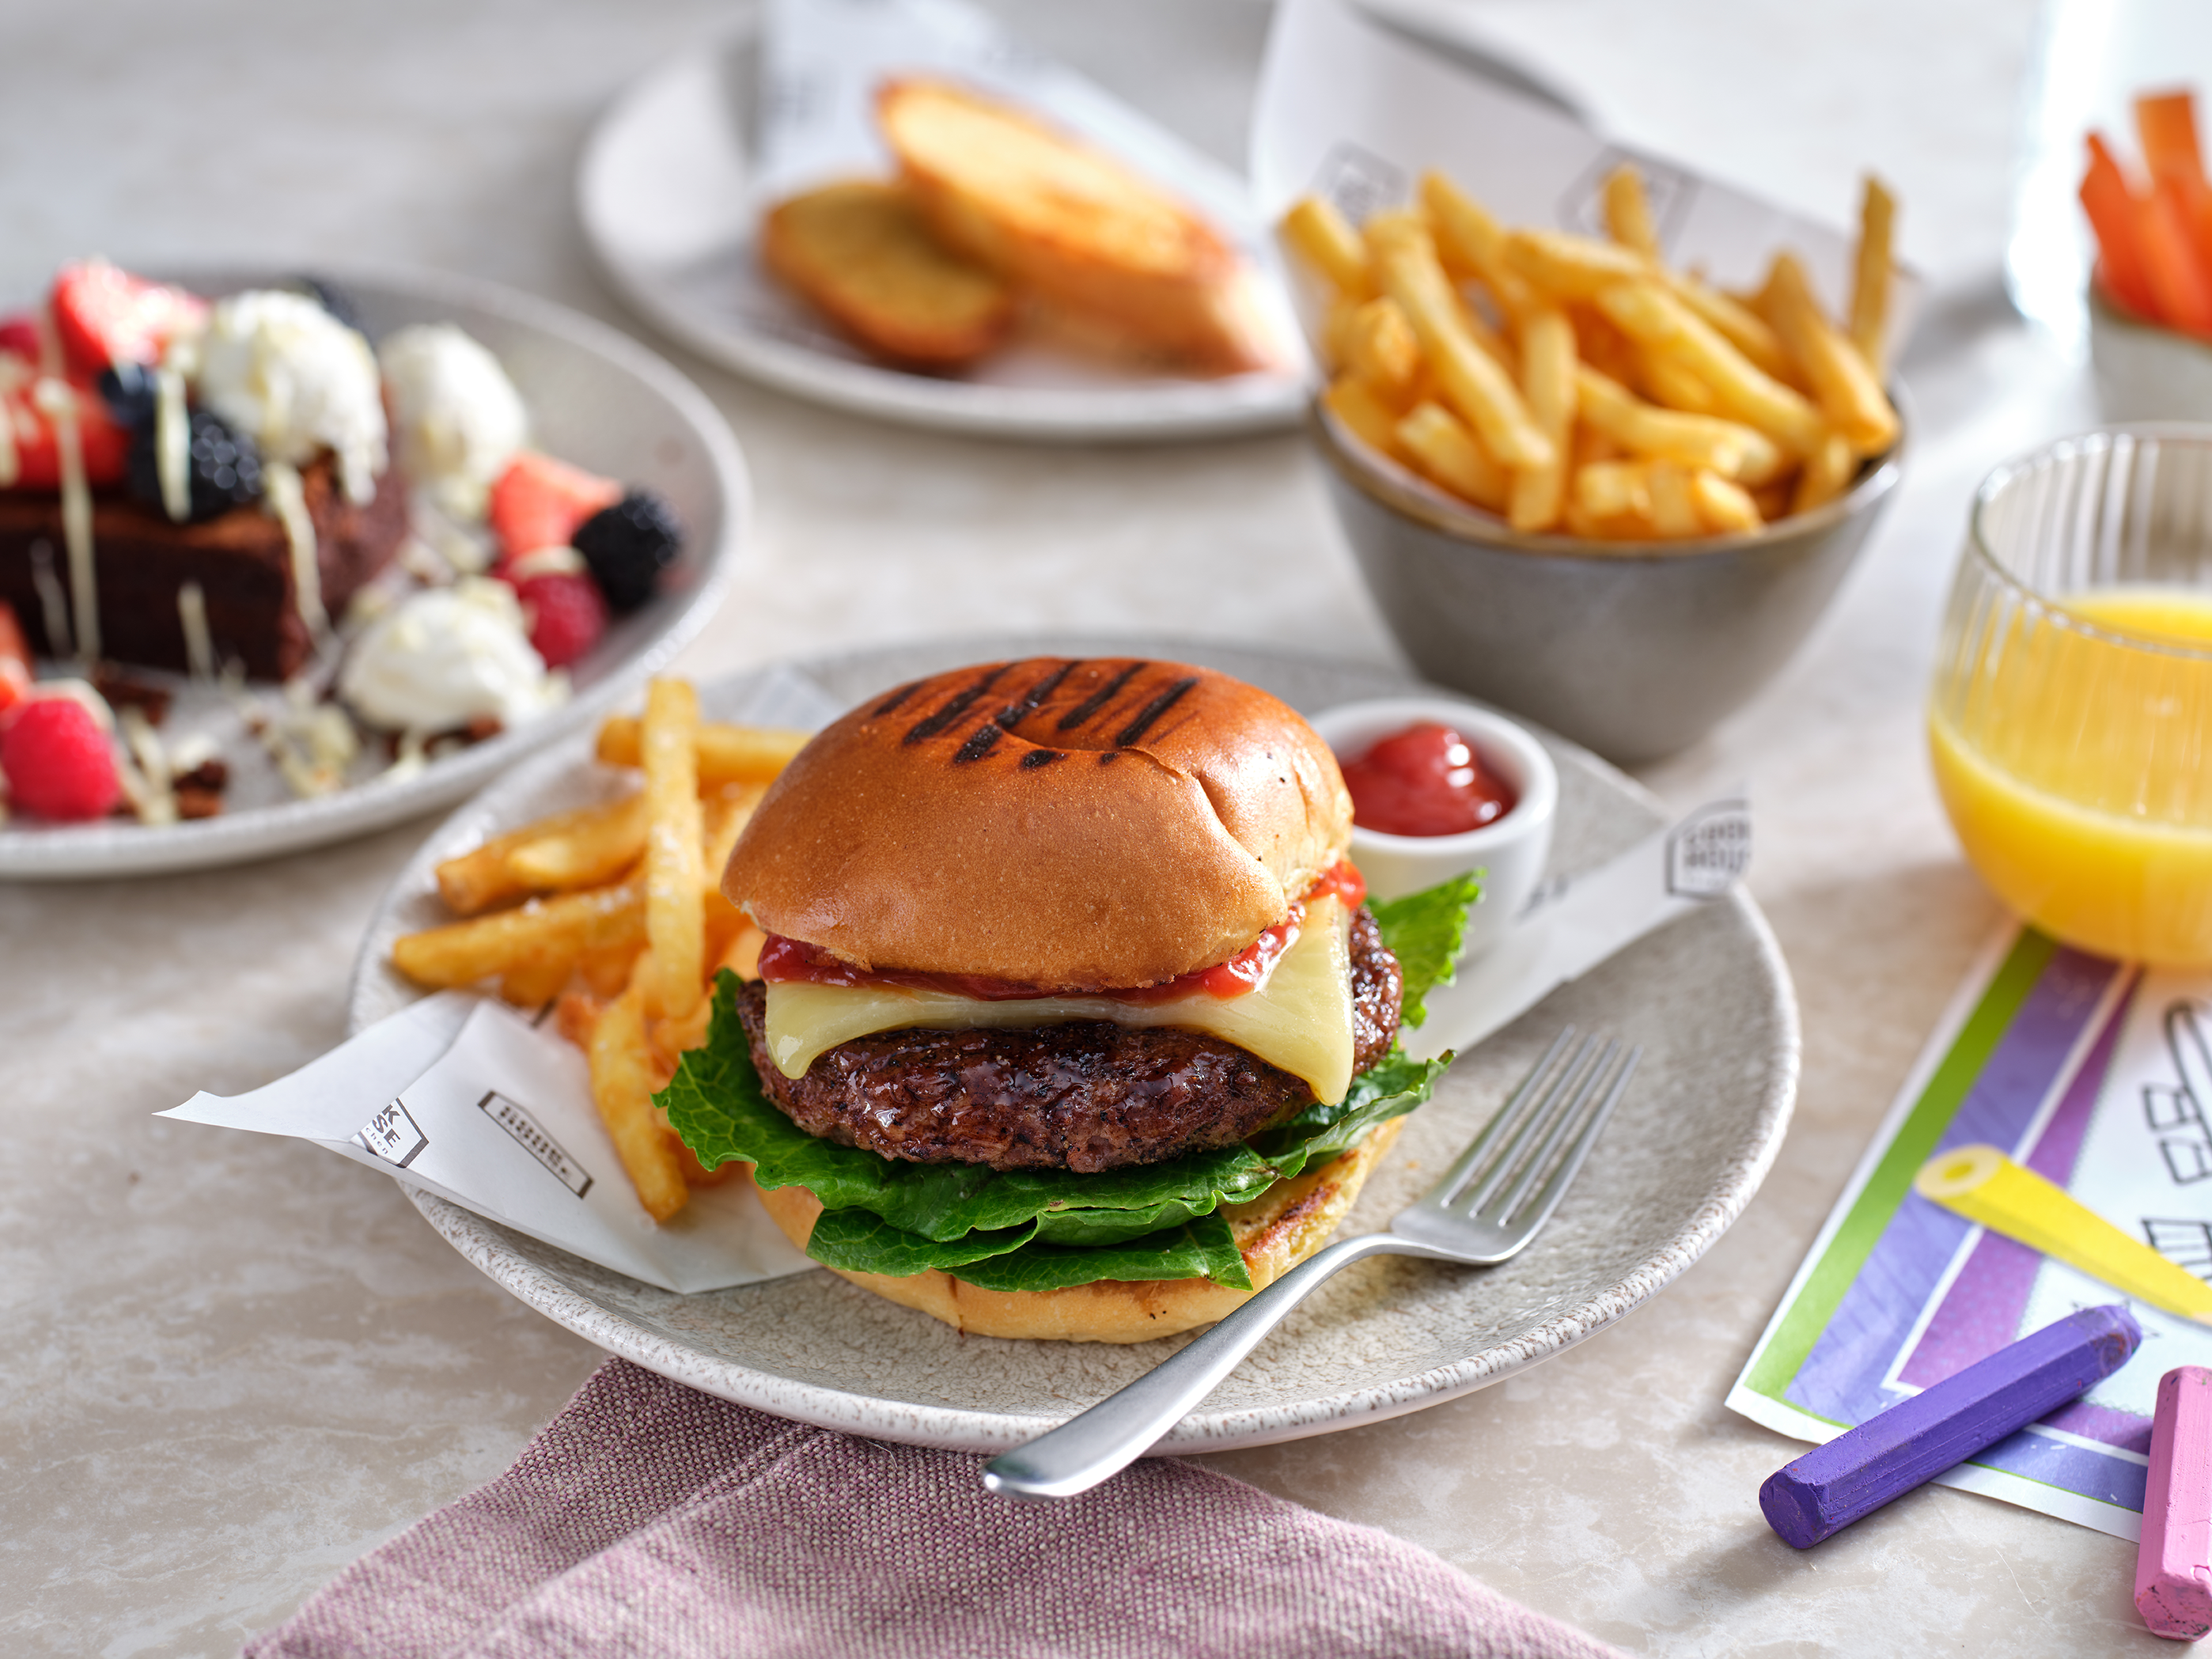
{"x":1707,"y":998}
{"x":596,"y":397}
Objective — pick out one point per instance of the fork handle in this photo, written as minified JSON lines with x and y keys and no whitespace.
{"x":1121,"y":1428}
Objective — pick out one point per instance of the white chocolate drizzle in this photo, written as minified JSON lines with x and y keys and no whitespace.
{"x":53,"y":606}
{"x":172,"y":431}
{"x":57,"y":400}
{"x":13,"y":375}
{"x":152,"y":791}
{"x":199,"y":643}
{"x":286,"y":497}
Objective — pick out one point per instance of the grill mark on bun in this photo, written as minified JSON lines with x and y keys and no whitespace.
{"x":894,"y":700}
{"x":985,"y":739}
{"x":923,"y":730}
{"x":1157,"y":707}
{"x":1098,"y":699}
{"x":1037,"y":757}
{"x":1015,"y":713}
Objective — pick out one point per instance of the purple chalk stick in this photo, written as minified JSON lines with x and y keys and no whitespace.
{"x":2173,"y":1569}
{"x":1917,"y":1439}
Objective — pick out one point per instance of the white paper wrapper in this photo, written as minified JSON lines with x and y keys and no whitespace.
{"x":1574,"y":924}
{"x":1348,"y":109}
{"x":464,"y":1097}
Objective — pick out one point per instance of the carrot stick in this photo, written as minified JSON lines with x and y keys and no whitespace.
{"x":2113,"y":215}
{"x":2177,"y":275}
{"x":2167,"y":122}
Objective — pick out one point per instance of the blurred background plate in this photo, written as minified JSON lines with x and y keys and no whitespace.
{"x":595,"y":397}
{"x":1708,"y":999}
{"x":662,"y":193}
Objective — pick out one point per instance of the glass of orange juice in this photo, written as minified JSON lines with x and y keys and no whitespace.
{"x":2072,"y":717}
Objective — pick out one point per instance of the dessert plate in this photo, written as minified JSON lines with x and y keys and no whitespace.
{"x":595,"y":397}
{"x":661,"y":191}
{"x":1707,"y":998}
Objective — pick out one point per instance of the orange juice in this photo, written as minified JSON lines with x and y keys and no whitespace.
{"x":2076,"y":766}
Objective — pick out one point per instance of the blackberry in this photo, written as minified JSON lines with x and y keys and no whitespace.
{"x":127,"y":389}
{"x":627,"y":545}
{"x":223,"y":466}
{"x":333,"y":297}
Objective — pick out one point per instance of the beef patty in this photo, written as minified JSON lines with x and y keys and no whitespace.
{"x":1082,"y":1095}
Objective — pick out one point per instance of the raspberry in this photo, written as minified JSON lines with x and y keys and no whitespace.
{"x":57,"y":762}
{"x":566,"y":616}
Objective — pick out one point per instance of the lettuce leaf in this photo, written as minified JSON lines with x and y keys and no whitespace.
{"x":1043,"y":1229}
{"x":1425,"y":931}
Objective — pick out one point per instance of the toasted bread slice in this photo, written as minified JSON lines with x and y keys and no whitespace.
{"x":863,"y":252}
{"x":1071,"y":223}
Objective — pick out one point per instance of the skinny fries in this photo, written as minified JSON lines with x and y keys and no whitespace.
{"x":1574,"y":384}
{"x":614,"y":912}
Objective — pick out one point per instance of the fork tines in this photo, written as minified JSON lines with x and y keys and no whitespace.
{"x":1530,"y":1150}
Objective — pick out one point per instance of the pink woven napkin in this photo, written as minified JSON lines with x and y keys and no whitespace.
{"x":649,"y":1519}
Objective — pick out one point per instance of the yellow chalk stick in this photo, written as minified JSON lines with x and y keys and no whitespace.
{"x":1984,"y":1186}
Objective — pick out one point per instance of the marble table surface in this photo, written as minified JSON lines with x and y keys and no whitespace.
{"x":232,"y":1364}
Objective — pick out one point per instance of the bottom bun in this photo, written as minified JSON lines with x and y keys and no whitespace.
{"x":1274,"y":1231}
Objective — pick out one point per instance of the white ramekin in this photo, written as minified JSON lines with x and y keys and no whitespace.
{"x":1510,"y":851}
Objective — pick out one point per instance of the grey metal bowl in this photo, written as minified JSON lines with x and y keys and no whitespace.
{"x":1636,"y":651}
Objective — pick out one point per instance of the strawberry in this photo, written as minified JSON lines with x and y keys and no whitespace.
{"x":565,"y":613}
{"x":108,"y":316}
{"x":539,"y":502}
{"x":19,"y":334}
{"x":38,"y":450}
{"x":14,"y":660}
{"x":57,"y":762}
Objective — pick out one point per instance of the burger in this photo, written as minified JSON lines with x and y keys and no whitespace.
{"x":1072,"y":1021}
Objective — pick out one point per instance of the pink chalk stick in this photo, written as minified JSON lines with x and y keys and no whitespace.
{"x":2173,"y":1572}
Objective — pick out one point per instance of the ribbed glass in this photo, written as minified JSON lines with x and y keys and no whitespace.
{"x":2071,"y":716}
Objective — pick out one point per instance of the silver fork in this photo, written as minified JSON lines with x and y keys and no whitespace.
{"x":1491,"y":1203}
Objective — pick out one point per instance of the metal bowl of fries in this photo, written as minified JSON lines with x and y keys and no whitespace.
{"x":1634,"y":649}
{"x":1597,"y":491}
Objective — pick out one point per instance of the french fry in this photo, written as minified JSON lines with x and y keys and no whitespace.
{"x":1444,"y":449}
{"x":1474,"y":381}
{"x":536,"y":981}
{"x":623,"y":1081}
{"x":594,"y":848}
{"x":570,"y":925}
{"x":1849,"y":395}
{"x":1571,"y":267}
{"x":1377,"y":345}
{"x":605,"y":972}
{"x":1727,"y":508}
{"x":728,"y":754}
{"x":1547,"y":381}
{"x":1650,"y":315}
{"x":671,"y":1039}
{"x":1827,"y":473}
{"x":1628,"y":212}
{"x":1739,"y":325}
{"x":1614,"y":489}
{"x":1671,"y":383}
{"x":1324,"y":238}
{"x":1363,"y":414}
{"x":1464,"y":228}
{"x":1674,"y":514}
{"x":674,"y":967}
{"x":479,"y":879}
{"x":576,"y":1015}
{"x":1873,"y":271}
{"x":1728,"y":447}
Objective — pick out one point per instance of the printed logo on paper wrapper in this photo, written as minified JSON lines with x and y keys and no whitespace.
{"x":392,"y":1136}
{"x":1709,"y":851}
{"x":532,"y":1136}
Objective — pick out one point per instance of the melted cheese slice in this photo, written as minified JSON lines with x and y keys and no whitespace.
{"x":1299,"y":1020}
